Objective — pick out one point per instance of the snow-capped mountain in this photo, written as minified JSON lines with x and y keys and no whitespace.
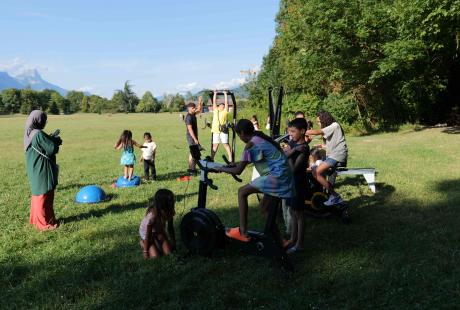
{"x":29,"y":78}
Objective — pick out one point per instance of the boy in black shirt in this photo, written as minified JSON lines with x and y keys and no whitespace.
{"x":298,"y":152}
{"x":191,"y":133}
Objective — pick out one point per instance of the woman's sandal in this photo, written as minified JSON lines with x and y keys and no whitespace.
{"x":235,"y":233}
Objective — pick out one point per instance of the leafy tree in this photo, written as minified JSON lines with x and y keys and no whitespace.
{"x":383,"y":62}
{"x":148,"y":103}
{"x":58,"y":104}
{"x":178,"y":103}
{"x":99,"y":104}
{"x":11,"y":100}
{"x":85,"y":105}
{"x":29,"y":100}
{"x":75,"y":99}
{"x":2,"y":106}
{"x":128,"y":98}
{"x":168,"y":102}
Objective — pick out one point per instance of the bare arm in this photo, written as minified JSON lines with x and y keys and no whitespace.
{"x":214,"y":101}
{"x":200,"y":105}
{"x":237,"y":169}
{"x":226,"y":100}
{"x":139,"y":145}
{"x":314,"y":132}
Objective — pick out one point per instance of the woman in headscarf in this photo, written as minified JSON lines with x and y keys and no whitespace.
{"x":41,"y":149}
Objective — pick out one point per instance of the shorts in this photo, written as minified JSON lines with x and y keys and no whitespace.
{"x":332,"y":163}
{"x":219,"y":138}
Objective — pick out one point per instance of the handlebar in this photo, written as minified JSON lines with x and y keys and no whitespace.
{"x":229,"y":163}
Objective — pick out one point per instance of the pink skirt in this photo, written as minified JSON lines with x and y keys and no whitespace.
{"x":42,"y":212}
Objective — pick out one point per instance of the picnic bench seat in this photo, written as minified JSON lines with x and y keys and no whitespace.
{"x":367,"y":173}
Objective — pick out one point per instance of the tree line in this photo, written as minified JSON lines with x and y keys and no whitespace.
{"x":372,"y":63}
{"x":124,"y":100}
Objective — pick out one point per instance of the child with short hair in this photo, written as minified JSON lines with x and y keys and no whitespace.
{"x":128,"y":158}
{"x":297,"y":152}
{"x":157,"y":239}
{"x":148,"y":157}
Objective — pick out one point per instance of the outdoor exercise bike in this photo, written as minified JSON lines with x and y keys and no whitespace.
{"x":202,"y":231}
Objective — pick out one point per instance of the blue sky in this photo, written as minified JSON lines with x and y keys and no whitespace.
{"x":161,"y":46}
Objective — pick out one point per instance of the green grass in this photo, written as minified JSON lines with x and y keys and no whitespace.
{"x":401,"y":250}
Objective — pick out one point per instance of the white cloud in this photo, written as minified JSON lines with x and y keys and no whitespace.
{"x":86,"y":89}
{"x":229,"y":84}
{"x":18,"y":66}
{"x":187,"y":87}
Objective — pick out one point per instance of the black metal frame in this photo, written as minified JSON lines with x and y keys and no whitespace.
{"x":233,"y":123}
{"x":275,"y":112}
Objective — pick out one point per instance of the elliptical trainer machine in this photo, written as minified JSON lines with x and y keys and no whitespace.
{"x":202,"y":231}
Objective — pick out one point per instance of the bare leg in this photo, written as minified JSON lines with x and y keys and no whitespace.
{"x":191,"y":162}
{"x":130,"y":172}
{"x":243,"y":193}
{"x":166,"y":247}
{"x":300,"y":224}
{"x":229,"y":151}
{"x":318,"y":175}
{"x":153,"y":251}
{"x":125,"y":172}
{"x":215,"y":147}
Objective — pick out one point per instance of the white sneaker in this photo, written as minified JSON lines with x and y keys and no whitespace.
{"x":333,"y":200}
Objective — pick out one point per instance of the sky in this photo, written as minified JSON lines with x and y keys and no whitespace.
{"x":158,"y":45}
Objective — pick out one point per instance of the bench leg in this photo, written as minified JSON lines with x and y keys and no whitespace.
{"x":370,"y":179}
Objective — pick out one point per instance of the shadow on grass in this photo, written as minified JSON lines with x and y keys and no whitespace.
{"x":170,"y":176}
{"x":395,"y":254}
{"x":452,"y":130}
{"x":113,"y":208}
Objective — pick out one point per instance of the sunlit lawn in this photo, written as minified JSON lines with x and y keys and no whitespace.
{"x":401,"y":250}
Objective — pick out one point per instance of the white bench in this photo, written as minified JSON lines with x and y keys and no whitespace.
{"x":367,"y":173}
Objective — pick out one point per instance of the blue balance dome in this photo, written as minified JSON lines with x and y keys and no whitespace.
{"x":90,"y":194}
{"x":122,"y":182}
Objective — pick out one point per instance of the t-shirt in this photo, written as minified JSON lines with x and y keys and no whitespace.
{"x":335,"y":142}
{"x":275,"y":173}
{"x":190,"y":119}
{"x":147,"y":153}
{"x":218,"y":118}
{"x":300,"y":168}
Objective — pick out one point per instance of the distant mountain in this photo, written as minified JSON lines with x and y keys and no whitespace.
{"x":7,"y":81}
{"x":33,"y":79}
{"x":29,"y":78}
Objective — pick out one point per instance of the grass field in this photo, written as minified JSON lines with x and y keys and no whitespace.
{"x":402,"y":249}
